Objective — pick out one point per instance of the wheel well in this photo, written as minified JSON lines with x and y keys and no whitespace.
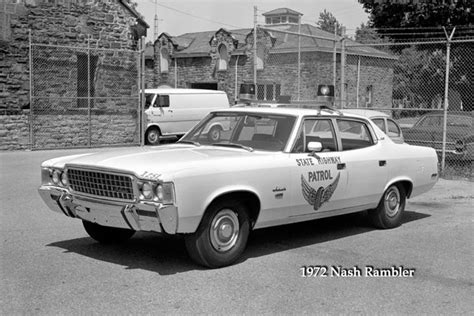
{"x":153,"y":127}
{"x":407,"y":185}
{"x":249,"y":199}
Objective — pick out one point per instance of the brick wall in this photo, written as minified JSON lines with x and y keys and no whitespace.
{"x":316,"y":68}
{"x":104,"y":24}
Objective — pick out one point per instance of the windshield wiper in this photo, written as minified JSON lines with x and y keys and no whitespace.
{"x":233,"y":145}
{"x":189,"y":142}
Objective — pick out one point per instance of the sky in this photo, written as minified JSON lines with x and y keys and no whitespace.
{"x":177,"y":17}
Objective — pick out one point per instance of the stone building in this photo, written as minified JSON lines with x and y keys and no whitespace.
{"x":223,"y":59}
{"x":100,"y":24}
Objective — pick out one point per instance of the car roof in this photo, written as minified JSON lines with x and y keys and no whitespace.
{"x":366,"y":113}
{"x":183,"y":91}
{"x":290,"y":111}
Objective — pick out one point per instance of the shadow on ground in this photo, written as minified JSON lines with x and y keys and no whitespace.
{"x":166,"y":255}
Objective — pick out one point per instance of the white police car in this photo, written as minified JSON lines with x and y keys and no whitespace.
{"x":271,"y":166}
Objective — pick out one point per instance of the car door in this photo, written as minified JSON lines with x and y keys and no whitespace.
{"x":424,"y":132}
{"x":163,"y":114}
{"x":318,"y":181}
{"x":365,"y":163}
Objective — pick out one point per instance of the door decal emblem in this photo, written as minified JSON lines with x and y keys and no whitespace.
{"x":317,"y":197}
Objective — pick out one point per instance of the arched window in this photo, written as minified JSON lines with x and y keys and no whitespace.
{"x":164,"y":55}
{"x":223,"y":57}
{"x":260,"y":56}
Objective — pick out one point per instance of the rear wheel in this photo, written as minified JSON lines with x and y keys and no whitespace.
{"x":389,"y":212}
{"x":222,"y":235}
{"x":152,"y":136}
{"x":107,"y":235}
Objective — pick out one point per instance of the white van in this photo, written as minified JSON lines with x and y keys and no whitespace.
{"x":172,"y":112}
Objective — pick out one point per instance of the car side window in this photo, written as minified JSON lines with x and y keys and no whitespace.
{"x":430,"y":121}
{"x":380,"y":124}
{"x":354,"y":134}
{"x":393,"y":129}
{"x":162,"y":101}
{"x":315,"y":130}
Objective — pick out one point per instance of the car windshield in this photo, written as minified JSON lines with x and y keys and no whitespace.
{"x":248,"y":131}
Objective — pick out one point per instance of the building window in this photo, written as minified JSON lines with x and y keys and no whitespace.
{"x":164,"y":56}
{"x":268,"y":91}
{"x":260,"y":56}
{"x":85,"y":80}
{"x":368,"y":96}
{"x":223,"y":57}
{"x":293,"y":19}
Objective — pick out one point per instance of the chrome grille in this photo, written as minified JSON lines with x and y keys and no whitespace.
{"x":101,"y":184}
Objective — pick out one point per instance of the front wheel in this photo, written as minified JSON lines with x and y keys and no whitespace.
{"x":388,"y":213}
{"x":214,"y":133}
{"x":107,"y":235}
{"x":222,"y":235}
{"x":152,"y":136}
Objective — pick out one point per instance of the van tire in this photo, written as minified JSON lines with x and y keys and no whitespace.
{"x":152,"y":136}
{"x":214,"y":134}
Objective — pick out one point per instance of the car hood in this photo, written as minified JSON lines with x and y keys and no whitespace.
{"x":162,"y":159}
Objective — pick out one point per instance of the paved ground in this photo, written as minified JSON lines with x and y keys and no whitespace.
{"x":48,"y":265}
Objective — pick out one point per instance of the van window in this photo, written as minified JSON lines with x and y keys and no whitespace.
{"x":148,"y":99}
{"x":162,"y":101}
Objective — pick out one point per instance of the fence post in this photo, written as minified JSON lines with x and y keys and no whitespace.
{"x":89,"y":89}
{"x":334,"y":57}
{"x":299,"y":57}
{"x":141,"y":90}
{"x":30,"y":116}
{"x":255,"y":50}
{"x":446,"y":99}
{"x":343,"y":73}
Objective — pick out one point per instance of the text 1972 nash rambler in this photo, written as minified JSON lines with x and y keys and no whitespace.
{"x":264,"y":167}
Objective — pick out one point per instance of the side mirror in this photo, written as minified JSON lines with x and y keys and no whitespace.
{"x":315,"y":146}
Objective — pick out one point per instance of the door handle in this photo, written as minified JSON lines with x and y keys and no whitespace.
{"x":382,"y":163}
{"x":171,"y":111}
{"x":341,"y":166}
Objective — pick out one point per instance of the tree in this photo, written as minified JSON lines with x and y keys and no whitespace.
{"x":419,"y":72}
{"x":366,"y":35}
{"x":327,"y":22}
{"x":430,"y":14}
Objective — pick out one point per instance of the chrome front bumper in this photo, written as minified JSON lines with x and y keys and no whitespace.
{"x":137,"y":216}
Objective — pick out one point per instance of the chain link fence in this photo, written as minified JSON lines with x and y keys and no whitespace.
{"x":84,"y":97}
{"x":413,"y":82}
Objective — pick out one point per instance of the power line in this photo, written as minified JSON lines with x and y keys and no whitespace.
{"x":196,"y":16}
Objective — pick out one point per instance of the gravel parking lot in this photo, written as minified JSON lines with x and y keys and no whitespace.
{"x":48,"y":264}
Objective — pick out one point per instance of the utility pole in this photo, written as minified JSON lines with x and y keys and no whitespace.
{"x":155,"y":26}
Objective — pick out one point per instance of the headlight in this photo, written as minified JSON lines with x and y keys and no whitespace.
{"x":147,"y":190}
{"x":64,"y":179}
{"x":165,"y":193}
{"x":56,"y":176}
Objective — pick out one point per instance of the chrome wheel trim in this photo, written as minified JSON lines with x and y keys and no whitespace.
{"x":392,"y":201}
{"x":224,"y":230}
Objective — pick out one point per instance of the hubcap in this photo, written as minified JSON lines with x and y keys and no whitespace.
{"x":392,"y":201}
{"x":215,"y":134}
{"x":224,"y":230}
{"x":152,"y":136}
